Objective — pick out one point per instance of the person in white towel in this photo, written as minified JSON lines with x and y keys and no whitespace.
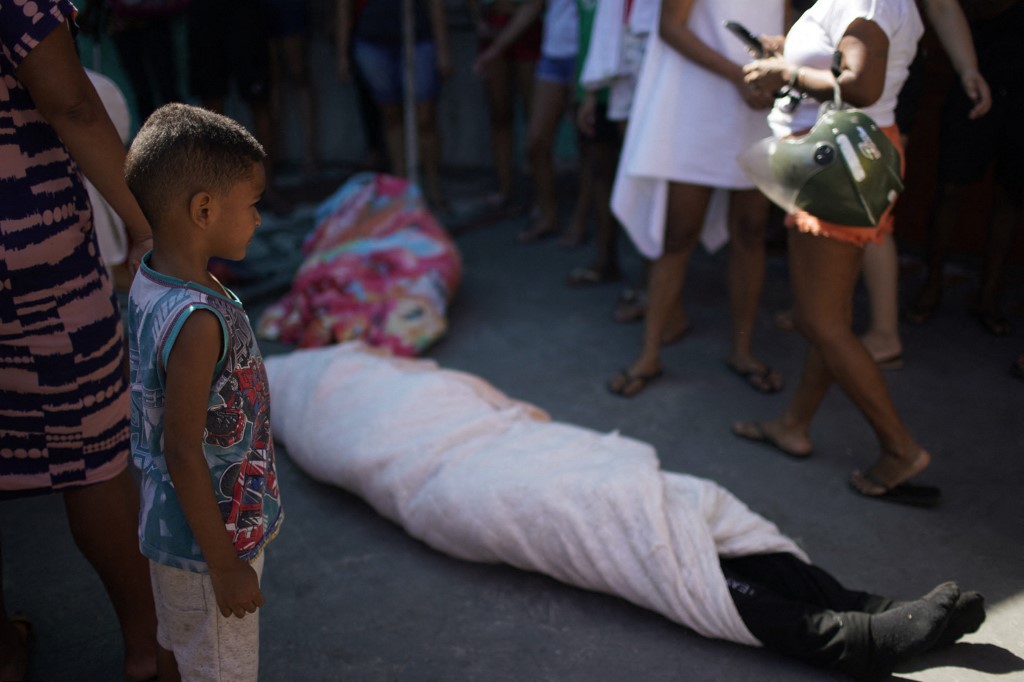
{"x":692,"y":116}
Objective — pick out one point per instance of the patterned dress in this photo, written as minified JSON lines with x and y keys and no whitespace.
{"x":63,"y":397}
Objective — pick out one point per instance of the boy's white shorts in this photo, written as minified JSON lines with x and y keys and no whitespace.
{"x":206,"y":645}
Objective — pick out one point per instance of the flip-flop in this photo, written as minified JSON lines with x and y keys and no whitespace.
{"x":994,"y":323}
{"x":890,"y":362}
{"x":905,"y":493}
{"x":631,"y":306}
{"x":759,"y":379}
{"x":765,"y":438}
{"x":590,"y":276}
{"x":626,"y":384}
{"x":919,"y":313}
{"x":533,"y":234}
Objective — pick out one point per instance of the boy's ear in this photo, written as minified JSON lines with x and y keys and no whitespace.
{"x":201,"y":208}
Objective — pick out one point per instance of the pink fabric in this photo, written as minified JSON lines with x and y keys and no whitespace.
{"x":378,"y":267}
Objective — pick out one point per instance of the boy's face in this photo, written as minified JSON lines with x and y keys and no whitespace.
{"x":238,"y":216}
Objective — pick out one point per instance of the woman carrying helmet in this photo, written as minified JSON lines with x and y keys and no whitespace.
{"x":875,"y":41}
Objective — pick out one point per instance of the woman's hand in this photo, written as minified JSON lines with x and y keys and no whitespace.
{"x":766,"y":75}
{"x":483,"y":62}
{"x":977,"y":89}
{"x":135,"y":254}
{"x":586,"y":115}
{"x":772,"y":44}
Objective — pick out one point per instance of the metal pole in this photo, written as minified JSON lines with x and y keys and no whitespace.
{"x":412,"y":147}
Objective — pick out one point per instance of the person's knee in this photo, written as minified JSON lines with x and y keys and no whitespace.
{"x":426,"y":117}
{"x":681,"y":239}
{"x":748,"y":232}
{"x":819,"y":329}
{"x":537,"y":146}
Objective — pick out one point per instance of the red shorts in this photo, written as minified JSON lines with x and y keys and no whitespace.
{"x":860,"y":236}
{"x":526,"y":48}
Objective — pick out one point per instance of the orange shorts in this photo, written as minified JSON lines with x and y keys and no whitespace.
{"x":860,"y":236}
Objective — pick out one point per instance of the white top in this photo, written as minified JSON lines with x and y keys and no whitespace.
{"x":689,"y":124}
{"x":561,"y":30}
{"x":816,"y":35}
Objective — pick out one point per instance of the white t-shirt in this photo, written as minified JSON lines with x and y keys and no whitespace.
{"x":815,"y":37}
{"x":561,"y":30}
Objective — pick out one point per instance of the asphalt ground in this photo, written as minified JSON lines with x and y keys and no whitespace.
{"x":351,"y":597}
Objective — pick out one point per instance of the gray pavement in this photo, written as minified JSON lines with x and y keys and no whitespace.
{"x":351,"y":597}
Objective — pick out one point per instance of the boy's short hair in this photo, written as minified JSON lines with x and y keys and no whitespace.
{"x":183,"y":149}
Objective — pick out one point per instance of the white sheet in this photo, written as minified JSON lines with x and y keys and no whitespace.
{"x":481,"y":477}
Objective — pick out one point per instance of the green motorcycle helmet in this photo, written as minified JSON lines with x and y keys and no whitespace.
{"x":844,"y":170}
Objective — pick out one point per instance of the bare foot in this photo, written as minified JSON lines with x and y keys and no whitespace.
{"x":758,"y":375}
{"x":574,"y":236}
{"x":785,"y":321}
{"x":885,"y":349}
{"x":539,"y":230}
{"x":792,"y":442}
{"x":889,"y":471}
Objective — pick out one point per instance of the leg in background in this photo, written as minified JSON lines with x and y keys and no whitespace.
{"x":546,"y":113}
{"x":881,"y":277}
{"x":1004,"y":228}
{"x":499,"y":96}
{"x":748,"y":218}
{"x":430,"y":148}
{"x":943,"y":224}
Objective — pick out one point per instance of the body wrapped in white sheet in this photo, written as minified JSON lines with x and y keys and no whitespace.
{"x":485,"y":478}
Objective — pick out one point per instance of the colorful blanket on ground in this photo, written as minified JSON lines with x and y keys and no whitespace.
{"x":378,"y":268}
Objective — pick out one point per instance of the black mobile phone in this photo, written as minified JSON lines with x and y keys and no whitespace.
{"x":748,"y":38}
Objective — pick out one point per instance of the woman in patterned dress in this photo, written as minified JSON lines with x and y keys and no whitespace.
{"x":63,"y":397}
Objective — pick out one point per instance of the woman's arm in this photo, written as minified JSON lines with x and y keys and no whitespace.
{"x":674,"y":29}
{"x":67,"y":100}
{"x":949,"y":22}
{"x":521,"y":21}
{"x":865,"y":50}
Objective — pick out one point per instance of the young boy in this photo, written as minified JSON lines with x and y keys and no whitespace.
{"x":200,"y":402}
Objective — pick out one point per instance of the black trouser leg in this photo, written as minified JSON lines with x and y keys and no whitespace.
{"x":802,"y":611}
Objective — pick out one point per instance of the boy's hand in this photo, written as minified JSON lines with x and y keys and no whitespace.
{"x":237,"y":588}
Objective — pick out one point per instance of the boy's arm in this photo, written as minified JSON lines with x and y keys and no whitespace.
{"x":190,"y":367}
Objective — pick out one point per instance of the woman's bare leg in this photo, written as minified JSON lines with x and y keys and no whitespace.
{"x":547,"y":109}
{"x":824,"y":272}
{"x":104,"y":522}
{"x":430,"y":147}
{"x":881,"y":277}
{"x":748,"y":217}
{"x":687,"y":205}
{"x":499,"y":97}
